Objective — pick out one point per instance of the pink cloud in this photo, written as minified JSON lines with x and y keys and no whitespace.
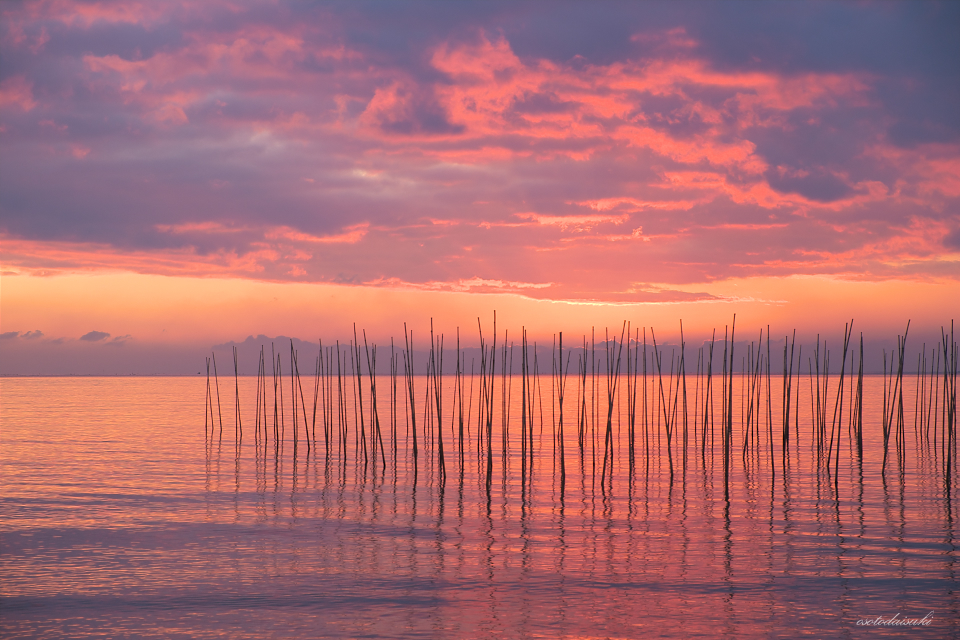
{"x":351,"y":235}
{"x":601,"y":103}
{"x":634,"y":204}
{"x":17,"y":91}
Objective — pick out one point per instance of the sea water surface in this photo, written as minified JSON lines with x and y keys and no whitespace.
{"x":123,"y":516}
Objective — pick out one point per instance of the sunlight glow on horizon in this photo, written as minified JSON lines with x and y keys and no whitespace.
{"x":165,"y":310}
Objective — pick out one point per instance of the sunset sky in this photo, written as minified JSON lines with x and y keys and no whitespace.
{"x":178,"y":175}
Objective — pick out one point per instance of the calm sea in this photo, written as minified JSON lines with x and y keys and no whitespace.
{"x":122,"y":517}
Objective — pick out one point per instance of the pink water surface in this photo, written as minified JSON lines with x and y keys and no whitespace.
{"x":123,"y":517}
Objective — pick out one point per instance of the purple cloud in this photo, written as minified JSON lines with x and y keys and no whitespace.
{"x":432,"y":145}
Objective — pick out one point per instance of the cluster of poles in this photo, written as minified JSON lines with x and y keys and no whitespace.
{"x":662,"y":406}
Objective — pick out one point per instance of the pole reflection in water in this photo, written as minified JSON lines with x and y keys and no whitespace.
{"x":126,"y":520}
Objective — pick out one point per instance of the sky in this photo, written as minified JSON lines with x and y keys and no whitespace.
{"x":179,"y":175}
